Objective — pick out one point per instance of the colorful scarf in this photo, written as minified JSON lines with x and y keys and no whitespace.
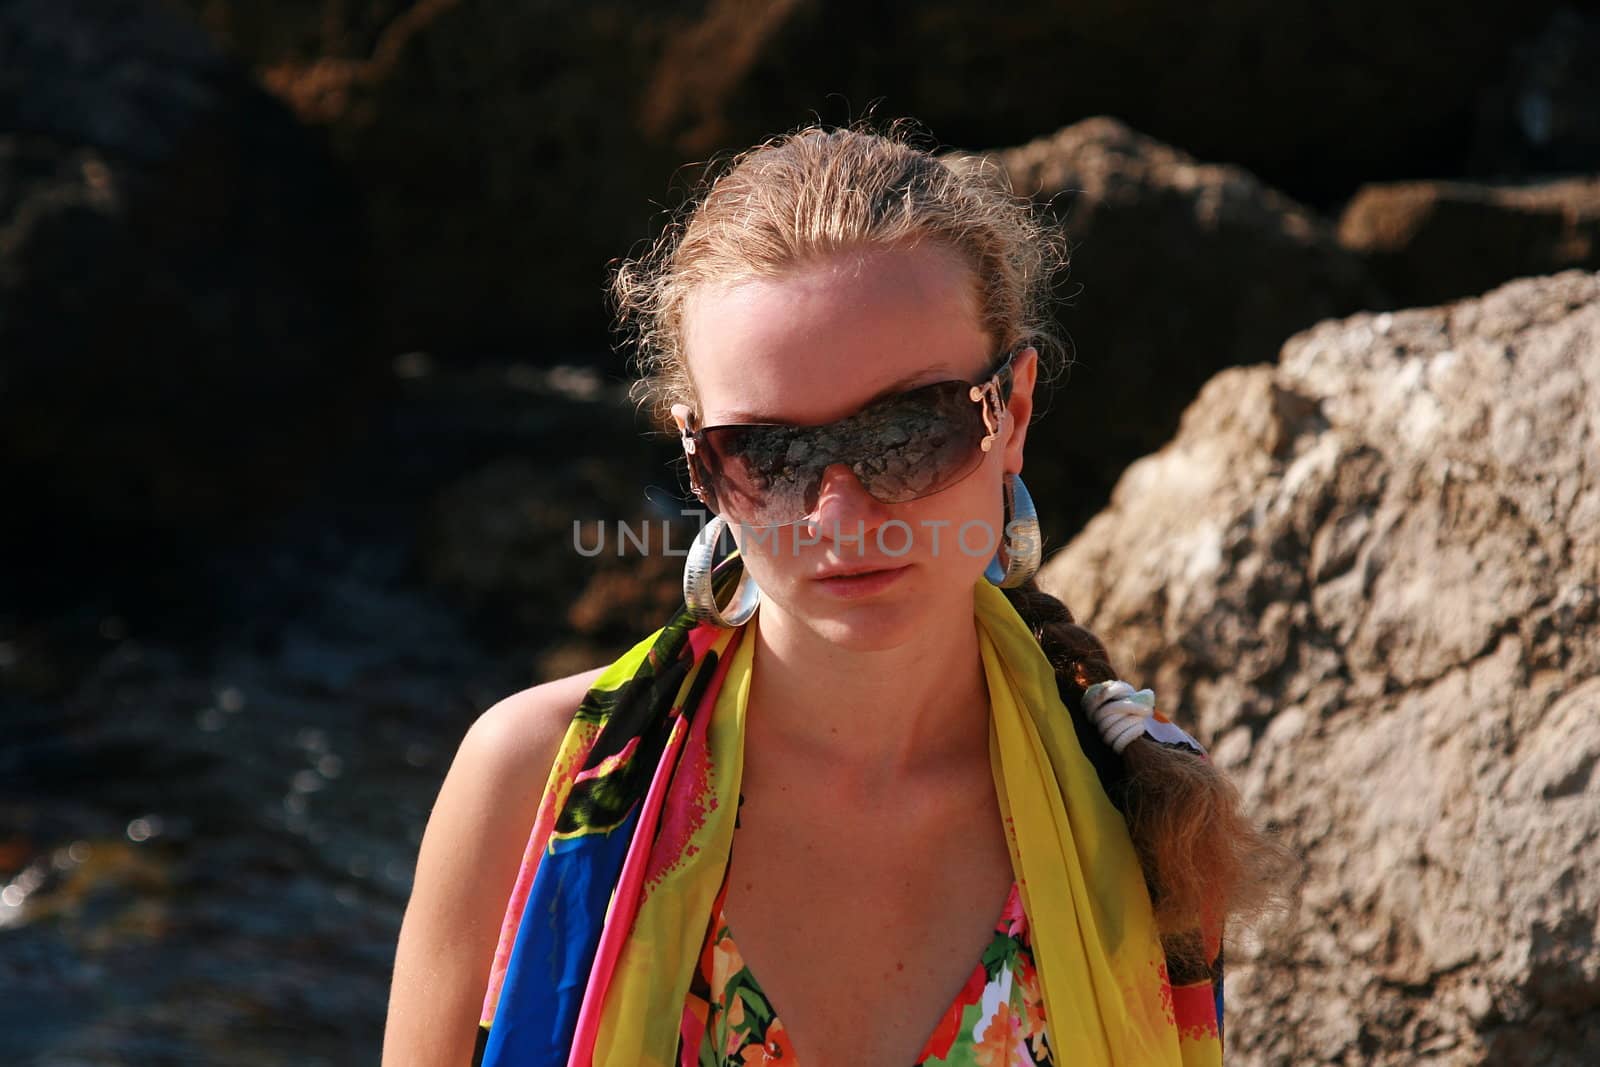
{"x":609,"y":912}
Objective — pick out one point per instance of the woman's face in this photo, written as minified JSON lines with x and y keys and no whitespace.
{"x":815,"y":345}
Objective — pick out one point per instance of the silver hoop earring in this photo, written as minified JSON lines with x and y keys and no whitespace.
{"x":699,"y":591}
{"x":1023,"y":547}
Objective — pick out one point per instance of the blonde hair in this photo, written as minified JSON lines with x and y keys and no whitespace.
{"x":816,"y":192}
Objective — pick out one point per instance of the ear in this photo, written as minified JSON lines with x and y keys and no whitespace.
{"x":1024,"y":375}
{"x":683,"y":415}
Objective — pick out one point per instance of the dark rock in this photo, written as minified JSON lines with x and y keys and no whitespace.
{"x":1313,"y":102}
{"x":1369,"y":578}
{"x":575,"y":539}
{"x":1179,"y":268}
{"x":496,"y":147}
{"x":508,"y":152}
{"x":179,"y":328}
{"x":1430,"y":242}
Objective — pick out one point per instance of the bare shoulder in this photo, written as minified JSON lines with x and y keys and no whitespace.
{"x":518,"y":737}
{"x":471,"y":851}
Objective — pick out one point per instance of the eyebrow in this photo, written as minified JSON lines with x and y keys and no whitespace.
{"x":899,"y":385}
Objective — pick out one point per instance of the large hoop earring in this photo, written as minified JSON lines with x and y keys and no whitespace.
{"x":702,"y":575}
{"x":1023,"y":547}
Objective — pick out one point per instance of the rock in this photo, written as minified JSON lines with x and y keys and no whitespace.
{"x":1314,"y":103}
{"x":1369,"y":578}
{"x":567,"y":535}
{"x":1178,"y":269}
{"x":503,"y":545}
{"x":1430,"y":242}
{"x":179,"y":330}
{"x":496,"y":147}
{"x":507,"y":152}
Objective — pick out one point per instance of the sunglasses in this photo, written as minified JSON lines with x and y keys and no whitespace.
{"x":903,"y":447}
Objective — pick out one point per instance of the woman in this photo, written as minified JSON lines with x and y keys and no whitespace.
{"x":943,"y":831}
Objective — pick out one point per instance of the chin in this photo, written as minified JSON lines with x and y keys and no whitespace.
{"x":890,"y":619}
{"x":867,"y":628}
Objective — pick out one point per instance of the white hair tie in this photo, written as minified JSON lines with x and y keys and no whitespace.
{"x":1123,"y":714}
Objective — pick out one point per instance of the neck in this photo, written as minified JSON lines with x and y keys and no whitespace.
{"x":878,"y":716}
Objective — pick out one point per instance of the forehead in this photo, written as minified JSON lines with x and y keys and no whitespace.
{"x":818,"y":342}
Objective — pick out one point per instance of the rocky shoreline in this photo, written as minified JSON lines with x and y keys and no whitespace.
{"x":306,"y":398}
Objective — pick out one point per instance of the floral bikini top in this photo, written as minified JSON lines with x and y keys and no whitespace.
{"x":997,"y":1019}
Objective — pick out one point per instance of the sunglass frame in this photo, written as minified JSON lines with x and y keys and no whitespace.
{"x":992,"y":393}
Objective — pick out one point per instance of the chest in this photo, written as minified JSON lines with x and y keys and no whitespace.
{"x":860,"y":928}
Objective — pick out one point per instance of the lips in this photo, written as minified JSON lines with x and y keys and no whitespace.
{"x":860,"y":581}
{"x":852,"y":572}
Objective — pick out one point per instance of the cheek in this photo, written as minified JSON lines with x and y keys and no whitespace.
{"x":771,"y":553}
{"x":968,"y":516}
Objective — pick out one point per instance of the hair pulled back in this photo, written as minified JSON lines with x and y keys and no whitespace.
{"x":818,"y":191}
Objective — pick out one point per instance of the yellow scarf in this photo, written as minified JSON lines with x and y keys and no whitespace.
{"x":619,"y":999}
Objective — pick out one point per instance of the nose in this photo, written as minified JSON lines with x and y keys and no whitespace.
{"x":844,"y":507}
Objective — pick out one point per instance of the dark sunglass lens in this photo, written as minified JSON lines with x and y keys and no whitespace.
{"x":761,"y":472}
{"x":908,"y":446}
{"x":919,"y":443}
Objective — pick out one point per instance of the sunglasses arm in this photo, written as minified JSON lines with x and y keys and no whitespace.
{"x":994,"y":394}
{"x":988,"y":395}
{"x":684,"y":417}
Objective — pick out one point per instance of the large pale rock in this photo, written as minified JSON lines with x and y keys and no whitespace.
{"x":1370,"y":578}
{"x":1179,"y":268}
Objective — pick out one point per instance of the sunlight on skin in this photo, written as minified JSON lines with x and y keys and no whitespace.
{"x":813,"y":346}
